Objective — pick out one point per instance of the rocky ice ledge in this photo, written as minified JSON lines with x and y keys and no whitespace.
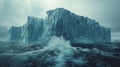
{"x":61,"y":22}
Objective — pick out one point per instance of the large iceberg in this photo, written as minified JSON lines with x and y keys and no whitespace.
{"x":61,"y":22}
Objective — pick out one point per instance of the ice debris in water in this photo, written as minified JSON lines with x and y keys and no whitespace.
{"x":64,"y":52}
{"x":62,"y":48}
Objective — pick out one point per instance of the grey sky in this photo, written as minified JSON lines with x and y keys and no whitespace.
{"x":15,"y":12}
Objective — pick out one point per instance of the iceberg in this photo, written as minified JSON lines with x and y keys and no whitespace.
{"x":61,"y":22}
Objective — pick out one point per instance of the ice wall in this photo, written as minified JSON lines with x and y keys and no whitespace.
{"x":62,"y":22}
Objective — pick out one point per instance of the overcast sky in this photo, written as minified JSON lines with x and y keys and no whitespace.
{"x":15,"y":12}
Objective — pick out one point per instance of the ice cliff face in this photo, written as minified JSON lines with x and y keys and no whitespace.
{"x":15,"y":33}
{"x":61,"y":22}
{"x":30,"y":32}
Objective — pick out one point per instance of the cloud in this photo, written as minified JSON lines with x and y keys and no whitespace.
{"x":15,"y":12}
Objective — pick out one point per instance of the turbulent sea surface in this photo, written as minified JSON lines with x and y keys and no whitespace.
{"x":59,"y":53}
